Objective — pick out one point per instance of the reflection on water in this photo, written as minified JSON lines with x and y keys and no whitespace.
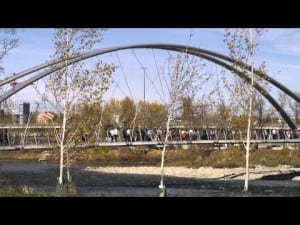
{"x":43,"y":176}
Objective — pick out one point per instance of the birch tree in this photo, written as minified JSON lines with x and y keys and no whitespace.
{"x":259,"y":111}
{"x":74,"y":84}
{"x":241,"y":46}
{"x":8,"y":42}
{"x":182,"y":78}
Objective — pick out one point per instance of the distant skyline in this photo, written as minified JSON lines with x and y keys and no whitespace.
{"x":279,"y":48}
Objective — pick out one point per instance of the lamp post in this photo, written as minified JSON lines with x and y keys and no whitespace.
{"x":144,"y":68}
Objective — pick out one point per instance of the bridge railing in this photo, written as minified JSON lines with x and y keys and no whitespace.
{"x":45,"y":136}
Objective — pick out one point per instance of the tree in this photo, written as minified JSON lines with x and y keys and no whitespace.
{"x":74,"y":84}
{"x":127,"y":113}
{"x":295,"y":108}
{"x":203,"y":115}
{"x":111,"y":114}
{"x":241,"y":47}
{"x":222,"y":116}
{"x":151,"y":114}
{"x":283,"y":99}
{"x":156,"y":115}
{"x":187,"y":115}
{"x":182,"y":78}
{"x":131,"y":115}
{"x":8,"y":42}
{"x":92,"y":115}
{"x":259,"y":111}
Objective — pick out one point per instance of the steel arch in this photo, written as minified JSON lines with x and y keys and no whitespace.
{"x":203,"y":53}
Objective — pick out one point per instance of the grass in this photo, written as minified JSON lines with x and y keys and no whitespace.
{"x":26,"y":191}
{"x":22,"y":155}
{"x":8,"y":190}
{"x":195,"y":157}
{"x":19,"y":192}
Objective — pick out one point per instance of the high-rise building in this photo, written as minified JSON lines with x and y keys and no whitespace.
{"x":24,"y":111}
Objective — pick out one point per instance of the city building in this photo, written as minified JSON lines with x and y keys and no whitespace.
{"x":24,"y":111}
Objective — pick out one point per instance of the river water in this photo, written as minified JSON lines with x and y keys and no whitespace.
{"x":42,"y":177}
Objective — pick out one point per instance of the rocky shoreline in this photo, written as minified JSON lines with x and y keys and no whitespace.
{"x":142,"y":181}
{"x":259,"y":172}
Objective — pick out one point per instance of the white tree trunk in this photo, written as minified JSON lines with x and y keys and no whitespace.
{"x":61,"y":167}
{"x":249,"y":117}
{"x":161,"y":186}
{"x":68,"y":165}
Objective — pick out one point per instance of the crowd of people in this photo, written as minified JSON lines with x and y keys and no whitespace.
{"x":180,"y":134}
{"x":140,"y":133}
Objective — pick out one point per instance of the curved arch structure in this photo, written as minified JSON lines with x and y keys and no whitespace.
{"x":214,"y":57}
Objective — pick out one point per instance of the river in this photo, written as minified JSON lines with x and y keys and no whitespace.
{"x":42,"y":177}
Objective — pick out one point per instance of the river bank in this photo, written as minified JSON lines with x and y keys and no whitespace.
{"x":194,"y":158}
{"x":281,"y":172}
{"x":94,"y":179}
{"x":136,"y":172}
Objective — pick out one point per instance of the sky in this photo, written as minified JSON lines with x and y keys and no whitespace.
{"x":279,"y":48}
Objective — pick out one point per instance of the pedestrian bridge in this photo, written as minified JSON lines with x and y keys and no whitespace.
{"x":159,"y":144}
{"x":14,"y":138}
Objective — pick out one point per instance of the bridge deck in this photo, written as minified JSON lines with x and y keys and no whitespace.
{"x":17,"y":126}
{"x":152,"y":143}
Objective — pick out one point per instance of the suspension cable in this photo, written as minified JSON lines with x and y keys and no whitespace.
{"x":115,"y":88}
{"x":116,"y":82}
{"x":168,"y":71}
{"x":163,"y":92}
{"x":123,"y":73}
{"x":45,"y":99}
{"x":148,"y":77}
